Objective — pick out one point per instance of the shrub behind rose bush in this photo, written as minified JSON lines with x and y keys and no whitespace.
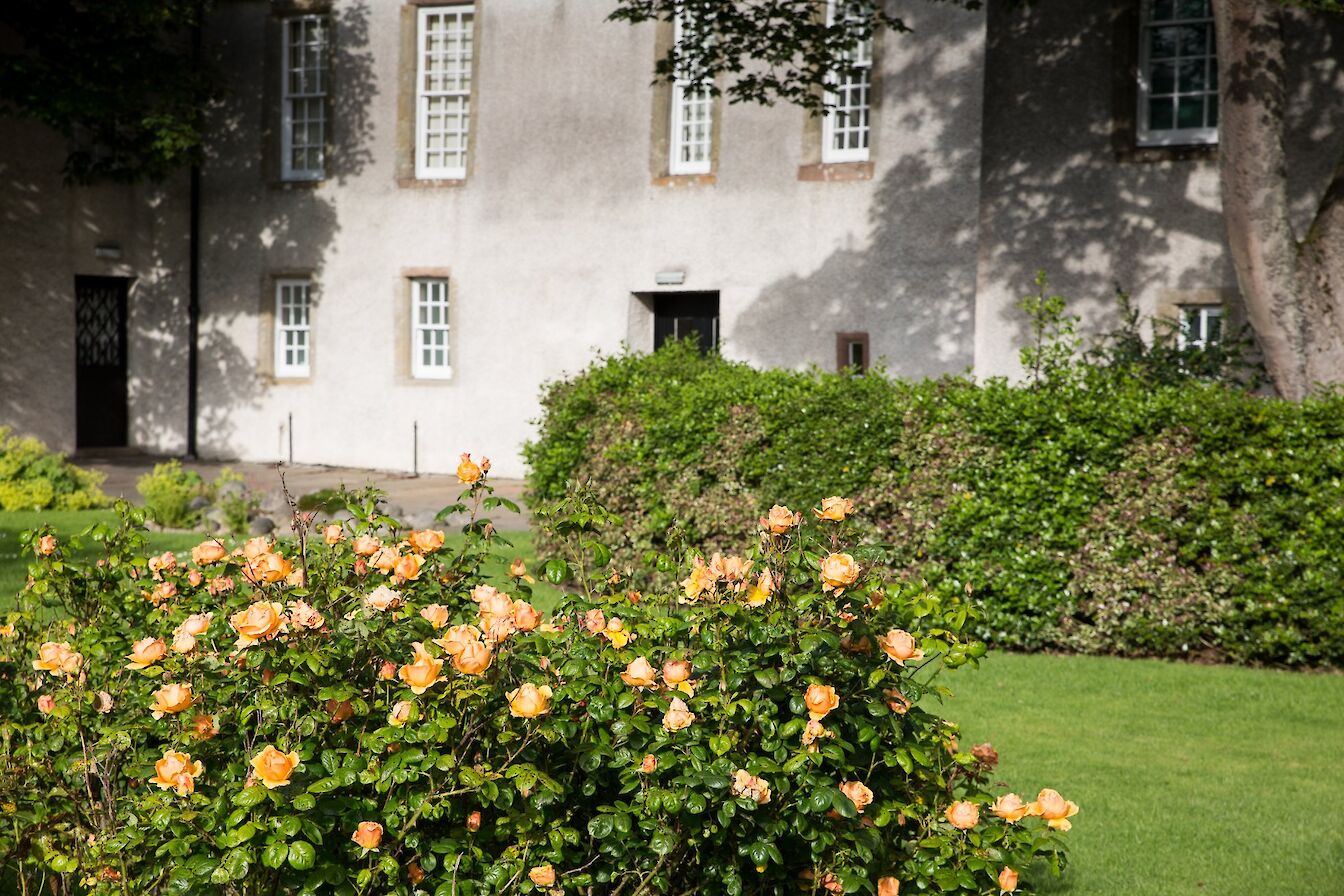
{"x":355,"y":711}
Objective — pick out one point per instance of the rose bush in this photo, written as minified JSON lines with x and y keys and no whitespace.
{"x":356,"y":710}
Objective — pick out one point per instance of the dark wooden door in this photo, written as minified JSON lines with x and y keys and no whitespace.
{"x":100,"y":361}
{"x":682,"y":315}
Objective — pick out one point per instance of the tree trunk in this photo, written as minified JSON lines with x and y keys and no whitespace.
{"x":1294,"y":292}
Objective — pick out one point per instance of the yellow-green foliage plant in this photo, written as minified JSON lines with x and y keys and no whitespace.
{"x":354,"y":711}
{"x":32,"y":477}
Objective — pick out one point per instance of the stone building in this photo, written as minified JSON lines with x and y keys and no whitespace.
{"x":414,"y":213}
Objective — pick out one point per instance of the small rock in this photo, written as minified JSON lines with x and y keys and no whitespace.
{"x":232,"y":487}
{"x":394,"y":510}
{"x":200,"y":502}
{"x":216,"y":520}
{"x":262,"y":525}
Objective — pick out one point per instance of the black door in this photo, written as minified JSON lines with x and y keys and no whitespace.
{"x":100,"y":361}
{"x":682,"y":315}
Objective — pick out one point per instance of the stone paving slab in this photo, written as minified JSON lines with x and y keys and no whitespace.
{"x":415,"y":499}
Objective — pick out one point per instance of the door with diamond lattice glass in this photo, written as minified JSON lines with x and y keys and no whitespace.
{"x":100,"y":361}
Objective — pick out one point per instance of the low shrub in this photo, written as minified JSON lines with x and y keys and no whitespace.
{"x":35,"y":478}
{"x":1097,"y":509}
{"x":356,"y":712}
{"x":169,"y":491}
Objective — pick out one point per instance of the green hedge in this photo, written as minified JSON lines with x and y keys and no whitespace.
{"x":1099,"y":513}
{"x":32,"y":477}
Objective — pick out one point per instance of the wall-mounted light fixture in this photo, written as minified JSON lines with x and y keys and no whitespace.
{"x":669,"y":278}
{"x":110,"y":251}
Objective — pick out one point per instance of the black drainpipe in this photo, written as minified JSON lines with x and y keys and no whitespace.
{"x":193,"y":273}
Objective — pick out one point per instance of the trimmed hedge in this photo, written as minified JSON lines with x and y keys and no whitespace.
{"x":1098,"y":512}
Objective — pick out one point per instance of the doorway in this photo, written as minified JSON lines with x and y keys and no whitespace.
{"x":100,"y":361}
{"x":686,"y":315}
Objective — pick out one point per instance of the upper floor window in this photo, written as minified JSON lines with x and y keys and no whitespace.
{"x":443,"y":91}
{"x":293,"y":334}
{"x":303,"y":94}
{"x":844,"y":130}
{"x":1201,"y":327}
{"x":1178,"y":73}
{"x":692,"y":126}
{"x":429,"y":329}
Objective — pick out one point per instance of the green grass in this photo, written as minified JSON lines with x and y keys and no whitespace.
{"x":1191,"y":779}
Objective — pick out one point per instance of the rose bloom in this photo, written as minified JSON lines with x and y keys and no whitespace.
{"x":400,"y":714}
{"x":615,"y":633}
{"x":194,"y":578}
{"x":649,"y":765}
{"x":46,"y":703}
{"x":146,"y":652}
{"x":474,"y":821}
{"x":408,"y":567}
{"x":184,"y":642}
{"x":731,"y":569}
{"x":435,"y":614}
{"x":204,"y":727}
{"x":762,"y":591}
{"x":525,"y":616}
{"x":900,"y":646}
{"x":529,"y":701}
{"x":595,"y":621}
{"x":496,"y":615}
{"x":426,"y":541}
{"x":639,"y":674}
{"x":780,"y":519}
{"x":834,"y":509}
{"x":1054,"y":809}
{"x":366,"y":545}
{"x":172,"y":698}
{"x":382,"y":598}
{"x":749,"y":787}
{"x":698,"y":582}
{"x":1007,"y":880}
{"x":678,"y":715}
{"x":46,"y":545}
{"x":542,"y":875}
{"x":467,"y":471}
{"x":102,"y":702}
{"x":339,"y":710}
{"x":813,"y":732}
{"x":208,"y":552}
{"x":677,"y":674}
{"x":163,"y":592}
{"x":820,"y":700}
{"x":219,"y":585}
{"x":858,"y":794}
{"x":1009,"y":807}
{"x":838,"y":572}
{"x":176,"y":771}
{"x":963,"y":815}
{"x":162,"y":563}
{"x":473,"y":659}
{"x":986,"y":753}
{"x":58,"y":659}
{"x":368,"y":835}
{"x":897,"y":701}
{"x":333,"y":533}
{"x":888,"y":886}
{"x":387,"y":671}
{"x":7,"y":630}
{"x":273,"y":768}
{"x":456,"y":639}
{"x":422,"y":673}
{"x":385,"y":559}
{"x":518,"y":570}
{"x":304,"y":615}
{"x":263,"y":619}
{"x":267,"y":569}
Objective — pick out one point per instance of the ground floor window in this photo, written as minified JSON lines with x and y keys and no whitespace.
{"x":293,"y":333}
{"x":429,"y":329}
{"x":1201,"y":326}
{"x":685,"y":315}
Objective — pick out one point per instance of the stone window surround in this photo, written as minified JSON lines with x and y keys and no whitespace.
{"x":271,"y":166}
{"x":266,"y":325}
{"x":404,"y":310}
{"x":406,"y":96}
{"x":660,"y":144}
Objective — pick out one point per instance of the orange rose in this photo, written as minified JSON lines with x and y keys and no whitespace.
{"x":422,"y":673}
{"x":858,"y":794}
{"x":1054,"y":809}
{"x":749,"y":787}
{"x":473,"y":659}
{"x":7,"y":630}
{"x":838,"y":572}
{"x":529,"y":701}
{"x":196,"y":624}
{"x":255,"y":547}
{"x":468,"y":473}
{"x":542,"y":875}
{"x":146,"y":652}
{"x":333,"y":533}
{"x":46,"y":704}
{"x":986,"y":754}
{"x":677,"y":675}
{"x":456,"y":639}
{"x":340,"y":710}
{"x":408,"y":567}
{"x":260,"y":621}
{"x":46,"y":545}
{"x":518,"y":570}
{"x":366,"y":545}
{"x":194,"y":578}
{"x":649,"y":765}
{"x":382,"y":599}
{"x":820,"y":700}
{"x":385,"y":559}
{"x":963,"y":815}
{"x":639,"y":674}
{"x":171,"y":698}
{"x":496,"y":610}
{"x":204,"y":727}
{"x":900,"y":646}
{"x":58,"y":659}
{"x":780,"y":519}
{"x":888,"y":886}
{"x":595,"y":621}
{"x":267,"y":569}
{"x":1007,"y":880}
{"x":1009,"y":807}
{"x":103,"y":702}
{"x":525,"y":616}
{"x":208,"y":552}
{"x":834,"y":509}
{"x":762,"y":591}
{"x":732,"y":569}
{"x":304,"y":615}
{"x":698,"y":582}
{"x":176,"y":771}
{"x":368,"y":835}
{"x":474,"y":821}
{"x":678,"y":716}
{"x":813,"y":732}
{"x":615,"y":633}
{"x":897,"y":701}
{"x":435,"y":614}
{"x":274,"y":768}
{"x":426,"y":541}
{"x":219,"y":585}
{"x":400,"y":714}
{"x":164,"y":591}
{"x":165,"y":562}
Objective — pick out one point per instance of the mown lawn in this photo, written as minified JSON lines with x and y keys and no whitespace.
{"x":1192,"y":780}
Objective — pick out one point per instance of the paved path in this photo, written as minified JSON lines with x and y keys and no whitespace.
{"x":412,"y":498}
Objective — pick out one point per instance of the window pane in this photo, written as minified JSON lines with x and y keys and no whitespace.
{"x":1191,"y":112}
{"x":1193,"y":9}
{"x":1192,"y":77}
{"x":1194,"y":40}
{"x":1163,"y":78}
{"x":1162,"y":43}
{"x":1163,"y":9}
{"x":1161,"y":116}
